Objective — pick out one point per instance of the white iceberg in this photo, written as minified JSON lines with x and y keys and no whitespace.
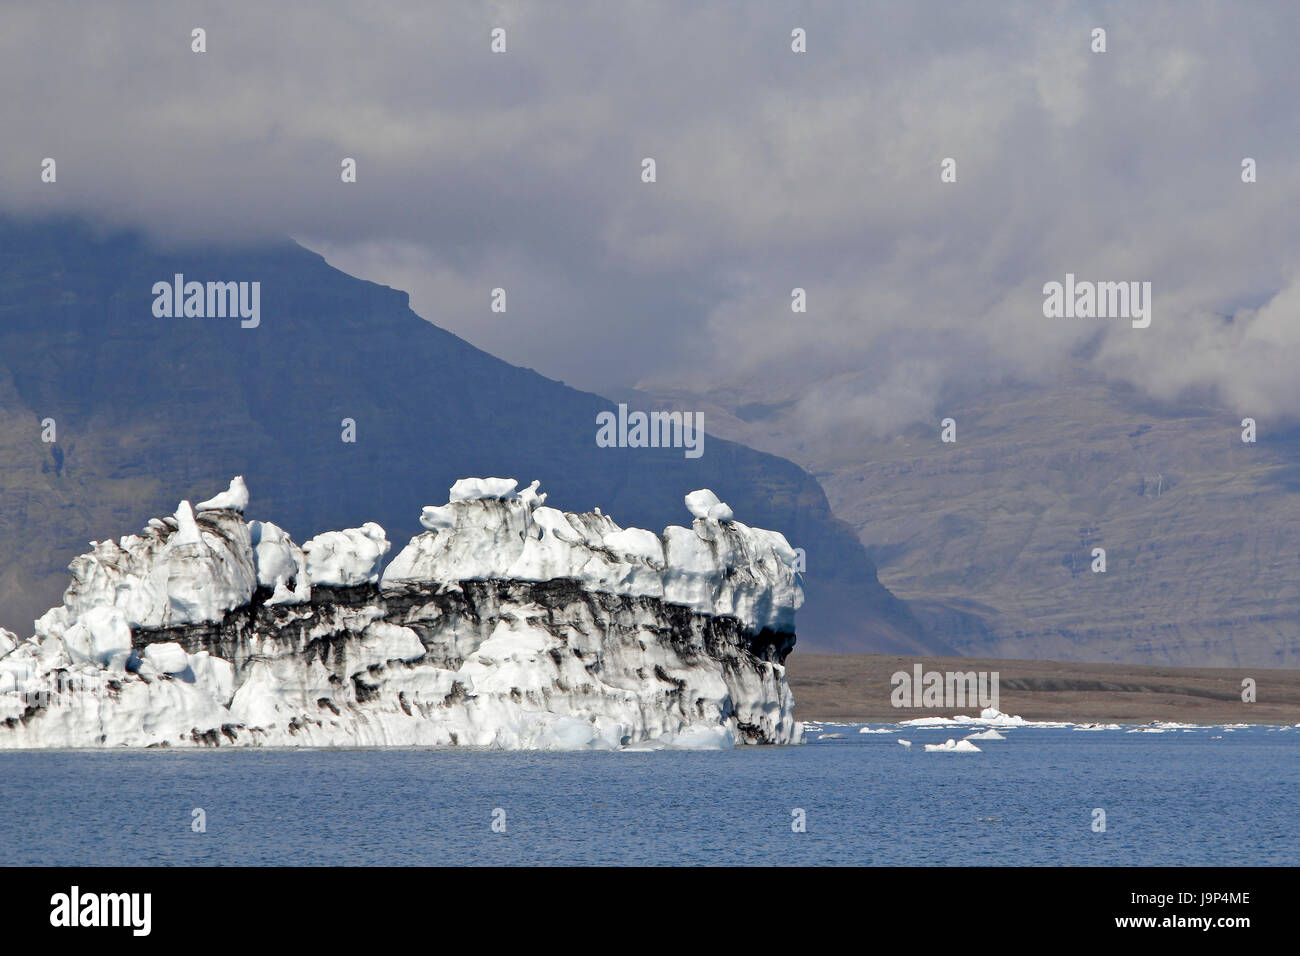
{"x":506,"y":624}
{"x":989,"y":717}
{"x":953,"y":746}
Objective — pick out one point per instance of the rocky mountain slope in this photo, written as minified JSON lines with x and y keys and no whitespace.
{"x":1201,"y":531}
{"x":148,"y":410}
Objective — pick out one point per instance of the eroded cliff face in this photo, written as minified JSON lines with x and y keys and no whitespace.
{"x":506,"y":624}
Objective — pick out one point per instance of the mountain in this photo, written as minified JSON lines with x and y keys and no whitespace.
{"x":991,"y":538}
{"x":149,"y":410}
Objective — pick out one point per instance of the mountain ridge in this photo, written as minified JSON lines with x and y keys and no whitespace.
{"x":150,"y":410}
{"x":991,"y":539}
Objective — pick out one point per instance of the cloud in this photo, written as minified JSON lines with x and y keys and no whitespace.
{"x":775,"y":170}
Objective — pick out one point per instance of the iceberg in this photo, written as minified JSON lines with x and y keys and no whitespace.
{"x":505,"y":624}
{"x":953,"y":746}
{"x":989,"y":717}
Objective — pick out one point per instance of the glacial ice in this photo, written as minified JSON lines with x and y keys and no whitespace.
{"x":705,"y":504}
{"x":100,"y":636}
{"x":167,"y":658}
{"x":471,"y":489}
{"x":346,"y":559}
{"x":718,"y":566}
{"x":183,"y":569}
{"x":505,"y":624}
{"x":234,"y":498}
{"x":989,"y":717}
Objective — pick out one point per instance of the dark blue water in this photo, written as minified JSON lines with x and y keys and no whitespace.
{"x":1173,"y":798}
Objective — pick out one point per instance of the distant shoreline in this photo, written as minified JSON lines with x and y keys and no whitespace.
{"x":855,"y":688}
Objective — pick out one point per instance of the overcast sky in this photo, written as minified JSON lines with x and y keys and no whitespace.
{"x":775,"y":170}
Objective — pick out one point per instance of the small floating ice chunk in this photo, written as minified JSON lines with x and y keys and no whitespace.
{"x":905,"y":743}
{"x":989,"y":734}
{"x":953,"y":746}
{"x":989,"y":717}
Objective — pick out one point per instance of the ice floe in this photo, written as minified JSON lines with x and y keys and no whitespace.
{"x":953,"y":746}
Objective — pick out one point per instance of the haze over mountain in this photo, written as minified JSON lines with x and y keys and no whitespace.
{"x":150,"y":410}
{"x":1201,"y":531}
